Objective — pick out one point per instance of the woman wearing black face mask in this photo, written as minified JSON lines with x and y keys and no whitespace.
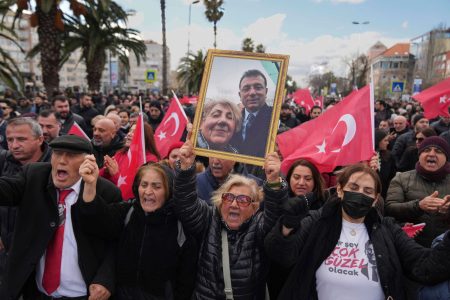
{"x":346,"y":250}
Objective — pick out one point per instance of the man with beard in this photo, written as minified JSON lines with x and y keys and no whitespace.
{"x":256,"y":115}
{"x":286,"y":116}
{"x":86,"y":109}
{"x":67,"y":118}
{"x":105,"y":140}
{"x":50,"y":124}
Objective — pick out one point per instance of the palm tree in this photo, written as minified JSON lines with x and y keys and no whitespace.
{"x":214,"y":12}
{"x":248,"y":45}
{"x":9,"y":72}
{"x":49,"y":21}
{"x":164,"y":47}
{"x":102,"y":30}
{"x":190,"y":71}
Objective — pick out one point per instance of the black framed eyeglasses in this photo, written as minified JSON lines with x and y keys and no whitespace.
{"x":241,"y":200}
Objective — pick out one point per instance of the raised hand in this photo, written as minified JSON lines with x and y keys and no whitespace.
{"x":272,"y":166}
{"x":89,"y":169}
{"x":187,"y":155}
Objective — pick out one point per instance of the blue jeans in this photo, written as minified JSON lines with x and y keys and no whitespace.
{"x":439,"y":291}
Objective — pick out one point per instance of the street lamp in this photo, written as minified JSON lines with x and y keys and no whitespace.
{"x":189,"y":26}
{"x":357,"y":53}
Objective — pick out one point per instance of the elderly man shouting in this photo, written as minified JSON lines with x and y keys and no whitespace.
{"x":51,"y":254}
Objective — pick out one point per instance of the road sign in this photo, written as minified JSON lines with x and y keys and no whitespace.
{"x":398,"y":86}
{"x":150,"y":75}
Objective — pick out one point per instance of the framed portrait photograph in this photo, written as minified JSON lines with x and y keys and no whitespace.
{"x":239,"y":105}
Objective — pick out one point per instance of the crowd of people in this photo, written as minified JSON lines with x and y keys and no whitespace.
{"x":214,"y":228}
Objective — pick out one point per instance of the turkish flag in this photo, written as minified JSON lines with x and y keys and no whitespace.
{"x":135,"y":158}
{"x":341,"y":136}
{"x":303,"y":98}
{"x":171,"y":127}
{"x":75,"y":129}
{"x":319,"y":101}
{"x":435,"y":100}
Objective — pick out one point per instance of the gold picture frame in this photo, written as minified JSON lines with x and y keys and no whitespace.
{"x":239,"y":104}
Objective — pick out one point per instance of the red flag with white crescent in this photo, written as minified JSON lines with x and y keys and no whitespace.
{"x":135,"y":158}
{"x":171,"y":127}
{"x":304,"y":99}
{"x":342,"y":135}
{"x":75,"y":129}
{"x":435,"y":100}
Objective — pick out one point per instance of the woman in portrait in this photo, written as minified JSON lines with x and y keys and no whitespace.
{"x":220,"y":120}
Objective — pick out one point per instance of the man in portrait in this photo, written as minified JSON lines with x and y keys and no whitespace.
{"x":256,"y":114}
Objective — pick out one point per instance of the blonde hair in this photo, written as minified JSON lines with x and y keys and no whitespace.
{"x":238,"y":180}
{"x":237,"y":116}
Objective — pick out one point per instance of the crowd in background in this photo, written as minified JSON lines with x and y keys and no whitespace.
{"x":283,"y":231}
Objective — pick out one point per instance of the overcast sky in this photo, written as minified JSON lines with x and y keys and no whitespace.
{"x":317,"y":34}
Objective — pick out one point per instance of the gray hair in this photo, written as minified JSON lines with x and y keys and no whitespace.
{"x":36,"y":129}
{"x":238,"y":180}
{"x":237,"y":116}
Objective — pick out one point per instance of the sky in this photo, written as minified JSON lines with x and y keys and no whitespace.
{"x":318,"y":35}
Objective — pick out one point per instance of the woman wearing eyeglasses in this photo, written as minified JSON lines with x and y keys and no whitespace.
{"x":232,"y":262}
{"x":346,"y":250}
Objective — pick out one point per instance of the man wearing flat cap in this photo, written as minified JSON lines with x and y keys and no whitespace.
{"x":51,"y":256}
{"x":423,"y":195}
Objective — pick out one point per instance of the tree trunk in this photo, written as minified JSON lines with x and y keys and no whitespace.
{"x":94,"y":70}
{"x":215,"y":35}
{"x":50,"y":41}
{"x":164,"y":50}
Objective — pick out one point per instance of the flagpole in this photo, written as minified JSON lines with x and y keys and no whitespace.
{"x":179,"y":104}
{"x":372,"y":105}
{"x":140,"y":103}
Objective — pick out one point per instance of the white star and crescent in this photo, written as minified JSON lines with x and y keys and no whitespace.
{"x":443,"y":99}
{"x":350,"y":123}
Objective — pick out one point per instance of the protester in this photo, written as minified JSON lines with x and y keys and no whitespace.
{"x":26,"y":144}
{"x":221,"y":119}
{"x":173,"y":154}
{"x":315,"y":112}
{"x":384,"y":125}
{"x":85,"y":109}
{"x":382,"y":112}
{"x":408,"y":139}
{"x":50,"y":124}
{"x":411,"y":155}
{"x":64,"y":260}
{"x":155,"y":114}
{"x":3,"y":143}
{"x":287,"y":118}
{"x":125,"y":121}
{"x":67,"y":118}
{"x":111,"y":169}
{"x":105,"y":140}
{"x":9,"y":109}
{"x":346,"y":250}
{"x":387,"y":167}
{"x":422,"y":195}
{"x":256,"y":115}
{"x":151,"y":241}
{"x":305,"y":184}
{"x":234,"y":220}
{"x":442,"y":125}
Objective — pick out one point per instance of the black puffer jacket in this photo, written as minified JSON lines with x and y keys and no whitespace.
{"x":100,"y":151}
{"x":396,"y":253}
{"x":248,"y":262}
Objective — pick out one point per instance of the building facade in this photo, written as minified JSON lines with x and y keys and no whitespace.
{"x":432,"y":53}
{"x":393,"y":72}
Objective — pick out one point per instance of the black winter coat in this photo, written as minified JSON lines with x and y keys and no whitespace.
{"x":33,"y":191}
{"x":248,"y":262}
{"x":100,"y":151}
{"x":396,"y":253}
{"x":154,"y":258}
